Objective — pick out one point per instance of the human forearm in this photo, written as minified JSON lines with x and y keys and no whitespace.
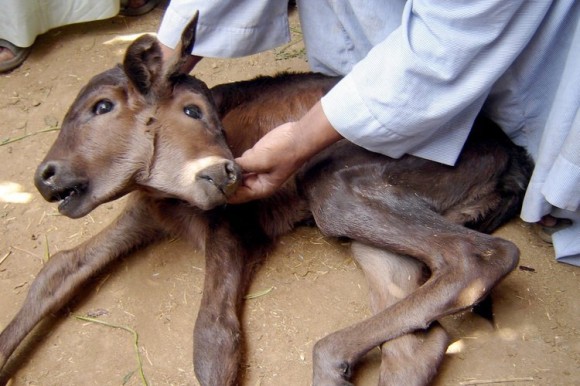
{"x":313,"y":133}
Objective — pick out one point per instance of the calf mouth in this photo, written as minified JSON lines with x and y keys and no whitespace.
{"x":56,"y":181}
{"x":67,"y":195}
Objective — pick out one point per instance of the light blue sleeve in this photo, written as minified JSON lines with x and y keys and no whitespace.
{"x":419,"y":90}
{"x":228,"y":29}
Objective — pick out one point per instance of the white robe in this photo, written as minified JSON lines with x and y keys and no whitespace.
{"x":21,"y":21}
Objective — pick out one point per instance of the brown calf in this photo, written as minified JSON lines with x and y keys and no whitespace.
{"x":417,"y":226}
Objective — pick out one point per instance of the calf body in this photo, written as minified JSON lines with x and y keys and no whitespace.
{"x":146,"y":129}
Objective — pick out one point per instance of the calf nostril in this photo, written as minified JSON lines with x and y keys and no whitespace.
{"x":48,"y":171}
{"x":231,"y":171}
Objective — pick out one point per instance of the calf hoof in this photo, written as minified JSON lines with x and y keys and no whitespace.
{"x":329,"y":369}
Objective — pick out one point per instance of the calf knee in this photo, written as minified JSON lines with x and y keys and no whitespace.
{"x":484,"y":265}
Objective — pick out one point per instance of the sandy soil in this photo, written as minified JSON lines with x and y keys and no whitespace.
{"x":308,"y":288}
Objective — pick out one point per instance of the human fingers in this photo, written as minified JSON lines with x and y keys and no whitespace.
{"x":255,"y":186}
{"x":271,"y":152}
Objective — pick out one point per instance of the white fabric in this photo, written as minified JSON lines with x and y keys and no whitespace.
{"x":21,"y":21}
{"x":228,"y":28}
{"x":417,"y":73}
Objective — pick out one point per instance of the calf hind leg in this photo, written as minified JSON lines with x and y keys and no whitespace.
{"x":464,"y":266}
{"x":414,"y":358}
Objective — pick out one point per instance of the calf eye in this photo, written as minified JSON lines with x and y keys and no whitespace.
{"x":102,"y":107}
{"x":192,"y":111}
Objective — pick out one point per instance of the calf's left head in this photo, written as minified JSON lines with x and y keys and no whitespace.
{"x":141,"y":125}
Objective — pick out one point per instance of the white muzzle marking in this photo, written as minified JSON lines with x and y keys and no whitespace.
{"x":191,"y":168}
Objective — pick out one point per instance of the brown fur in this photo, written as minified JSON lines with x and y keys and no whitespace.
{"x":142,"y":128}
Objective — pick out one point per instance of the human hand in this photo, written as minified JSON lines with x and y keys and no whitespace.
{"x":278,"y":154}
{"x":272,"y":160}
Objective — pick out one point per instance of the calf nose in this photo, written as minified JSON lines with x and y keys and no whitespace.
{"x":226,"y":176}
{"x":234,"y":176}
{"x":55,"y":179}
{"x":45,"y":174}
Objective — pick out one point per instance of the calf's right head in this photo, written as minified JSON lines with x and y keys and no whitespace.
{"x":141,"y":125}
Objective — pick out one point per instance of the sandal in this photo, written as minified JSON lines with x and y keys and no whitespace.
{"x":20,"y":54}
{"x":147,"y":6}
{"x":545,"y":232}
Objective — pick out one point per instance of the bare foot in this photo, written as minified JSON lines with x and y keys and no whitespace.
{"x":11,"y":56}
{"x":548,"y":225}
{"x":5,"y":54}
{"x":548,"y":221}
{"x":135,"y":3}
{"x":137,"y":7}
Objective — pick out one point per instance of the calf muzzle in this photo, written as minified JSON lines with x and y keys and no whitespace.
{"x":56,"y":181}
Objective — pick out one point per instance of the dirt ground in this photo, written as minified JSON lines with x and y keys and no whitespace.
{"x":308,"y":288}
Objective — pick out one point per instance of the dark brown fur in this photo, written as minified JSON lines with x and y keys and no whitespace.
{"x":410,"y":218}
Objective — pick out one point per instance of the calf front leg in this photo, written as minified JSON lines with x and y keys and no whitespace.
{"x":217,"y":334}
{"x":65,"y":273}
{"x":411,"y":359}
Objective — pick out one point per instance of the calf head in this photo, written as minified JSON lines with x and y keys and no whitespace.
{"x":141,"y":125}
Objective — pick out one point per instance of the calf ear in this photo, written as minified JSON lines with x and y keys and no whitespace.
{"x":183,"y":50}
{"x":143,"y":64}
